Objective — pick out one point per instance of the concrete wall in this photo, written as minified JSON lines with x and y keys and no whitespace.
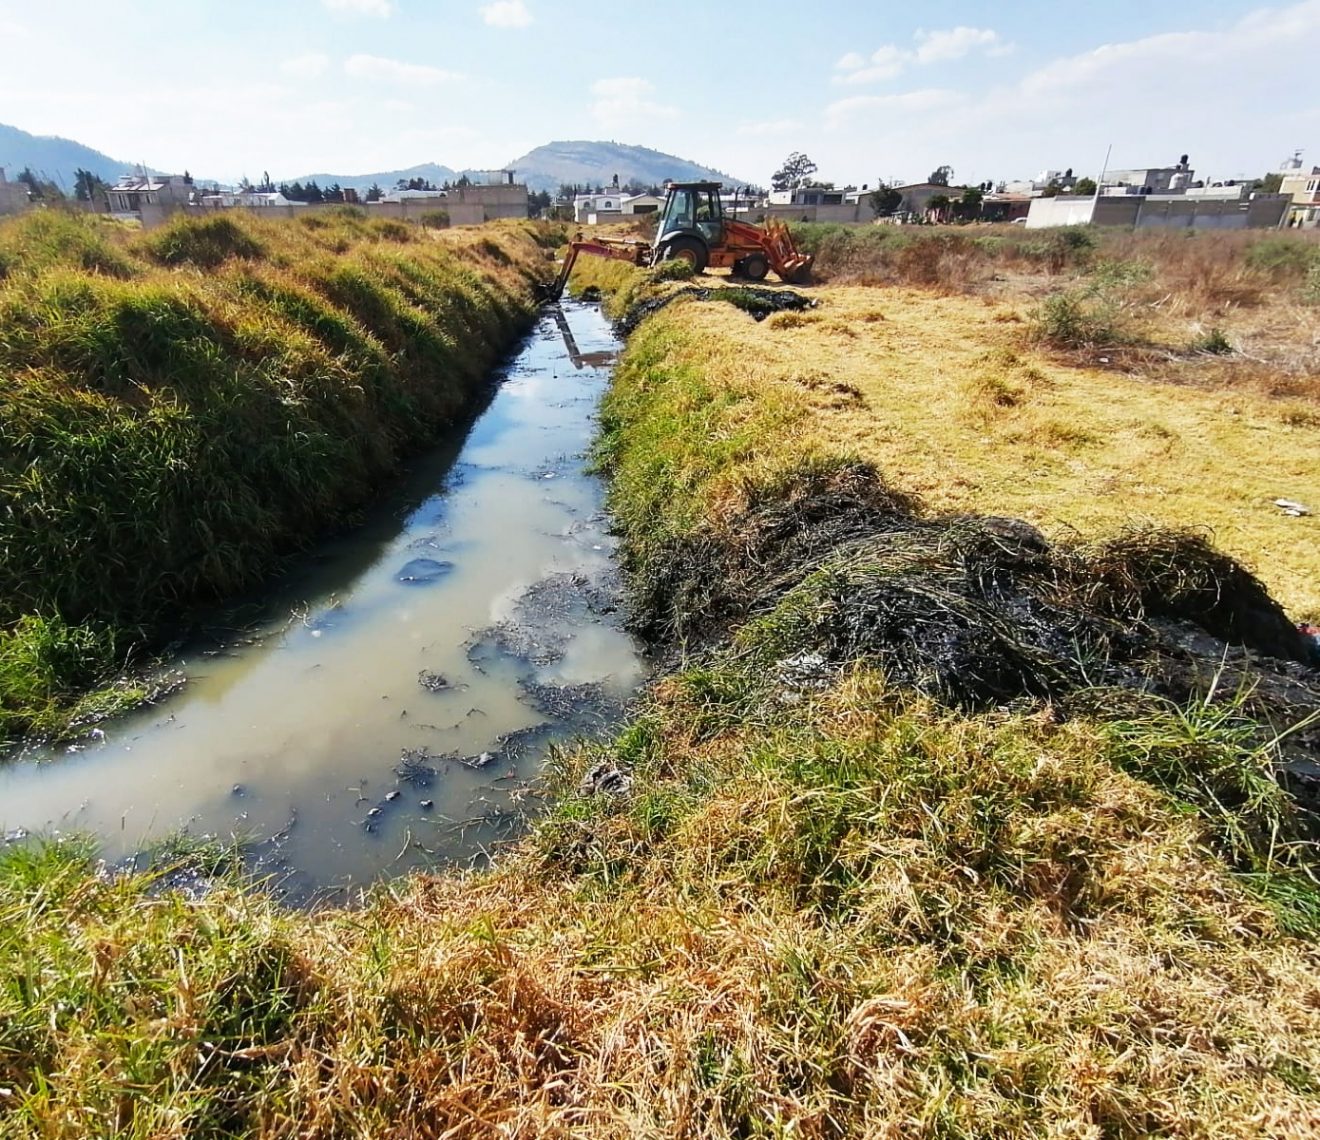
{"x":1065,"y":210}
{"x":1264,"y":211}
{"x":858,"y":213}
{"x":501,"y":200}
{"x":13,"y":198}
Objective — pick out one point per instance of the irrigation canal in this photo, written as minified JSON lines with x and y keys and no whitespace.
{"x":399,"y":692}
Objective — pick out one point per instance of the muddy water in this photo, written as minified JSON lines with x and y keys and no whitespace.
{"x":405,"y":685}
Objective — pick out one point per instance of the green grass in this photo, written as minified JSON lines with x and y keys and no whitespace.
{"x":190,"y":405}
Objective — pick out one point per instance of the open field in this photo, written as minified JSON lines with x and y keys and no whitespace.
{"x":183,"y":408}
{"x":933,"y":830}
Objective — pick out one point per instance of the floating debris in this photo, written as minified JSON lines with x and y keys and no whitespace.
{"x":433,"y":682}
{"x":421,"y":571}
{"x":414,"y":768}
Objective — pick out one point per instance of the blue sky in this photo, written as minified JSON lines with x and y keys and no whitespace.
{"x":293,"y":86}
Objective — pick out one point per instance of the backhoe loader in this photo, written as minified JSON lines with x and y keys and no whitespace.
{"x":692,"y":228}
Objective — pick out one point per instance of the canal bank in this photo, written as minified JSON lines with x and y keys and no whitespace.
{"x":392,"y":707}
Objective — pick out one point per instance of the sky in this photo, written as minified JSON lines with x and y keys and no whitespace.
{"x":869,"y":91}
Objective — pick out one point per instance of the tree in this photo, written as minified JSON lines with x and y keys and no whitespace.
{"x":374,"y":193}
{"x":969,"y":205}
{"x":885,"y":201}
{"x":795,"y":172}
{"x":940,"y":175}
{"x":42,"y":189}
{"x":87,"y":187}
{"x":938,"y":205}
{"x":1052,"y":190}
{"x":313,"y":193}
{"x":1085,"y":187}
{"x":1269,"y":184}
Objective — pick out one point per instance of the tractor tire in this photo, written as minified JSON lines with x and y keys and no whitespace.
{"x":755,"y":267}
{"x":689,"y":250}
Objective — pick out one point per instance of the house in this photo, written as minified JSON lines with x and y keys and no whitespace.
{"x":1005,"y":207}
{"x":140,"y":194}
{"x":641,"y":203}
{"x":503,"y":198}
{"x":592,"y":209}
{"x":1149,"y":180}
{"x":807,"y":196}
{"x":13,"y":196}
{"x":439,"y":197}
{"x":243,"y":199}
{"x":917,"y":197}
{"x":1302,"y":188}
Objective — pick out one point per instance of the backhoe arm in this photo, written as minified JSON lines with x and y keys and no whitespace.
{"x":636,"y":252}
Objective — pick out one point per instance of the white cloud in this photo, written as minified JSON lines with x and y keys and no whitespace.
{"x":955,"y":43}
{"x":626,"y":100}
{"x":842,"y":112}
{"x":381,"y":8}
{"x":890,"y":61}
{"x":886,"y":62}
{"x":770,"y":127}
{"x":506,"y":14}
{"x":395,"y":71}
{"x":1253,"y":50}
{"x":307,"y":66}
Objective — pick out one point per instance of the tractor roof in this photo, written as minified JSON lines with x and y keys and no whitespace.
{"x":694,"y":185}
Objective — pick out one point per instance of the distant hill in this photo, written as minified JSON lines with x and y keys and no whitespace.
{"x":546,"y":167}
{"x":385,"y":179}
{"x":54,"y":158}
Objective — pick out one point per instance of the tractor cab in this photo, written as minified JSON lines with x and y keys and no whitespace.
{"x":691,"y":223}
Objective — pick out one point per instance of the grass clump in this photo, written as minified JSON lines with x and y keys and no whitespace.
{"x":55,"y":239}
{"x":675,"y":269}
{"x":168,"y":437}
{"x":1078,"y":319}
{"x":202,"y":242}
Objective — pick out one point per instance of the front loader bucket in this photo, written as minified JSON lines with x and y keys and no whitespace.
{"x":793,"y":267}
{"x":797,"y":269}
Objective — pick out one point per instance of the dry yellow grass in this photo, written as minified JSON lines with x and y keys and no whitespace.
{"x":947,"y":396}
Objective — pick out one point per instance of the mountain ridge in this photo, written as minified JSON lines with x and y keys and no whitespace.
{"x":54,"y":157}
{"x":544,"y":168}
